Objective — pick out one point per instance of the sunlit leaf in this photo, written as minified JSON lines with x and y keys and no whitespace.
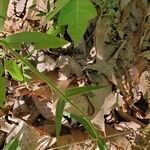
{"x":60,"y":105}
{"x":3,"y":12}
{"x":54,"y":31}
{"x":39,"y":39}
{"x":59,"y":115}
{"x":76,"y":14}
{"x":14,"y":70}
{"x":59,"y":4}
{"x":81,"y":90}
{"x":12,"y":145}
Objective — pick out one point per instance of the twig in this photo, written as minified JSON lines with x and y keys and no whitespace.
{"x":106,"y":138}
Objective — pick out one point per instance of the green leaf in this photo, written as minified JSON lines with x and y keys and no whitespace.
{"x":76,"y":14}
{"x":92,"y":131}
{"x":59,"y":4}
{"x":60,"y":105}
{"x":87,"y":125}
{"x":39,"y":39}
{"x":12,"y":145}
{"x":81,"y":90}
{"x":42,"y":13}
{"x":3,"y":12}
{"x":14,"y":70}
{"x":54,"y":31}
{"x":2,"y":91}
{"x":2,"y":85}
{"x":1,"y":69}
{"x":59,"y":115}
{"x":32,"y":6}
{"x":102,"y":144}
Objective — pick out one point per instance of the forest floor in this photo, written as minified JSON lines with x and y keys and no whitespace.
{"x":115,"y":51}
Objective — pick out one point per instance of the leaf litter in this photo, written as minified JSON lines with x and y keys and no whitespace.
{"x":120,"y":108}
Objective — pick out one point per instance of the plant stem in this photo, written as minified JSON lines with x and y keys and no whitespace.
{"x":51,"y":84}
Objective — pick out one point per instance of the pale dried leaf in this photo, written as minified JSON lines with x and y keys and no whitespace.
{"x":146,"y":54}
{"x":120,"y":141}
{"x":30,"y":138}
{"x":68,"y":66}
{"x":102,"y":35}
{"x":83,"y":104}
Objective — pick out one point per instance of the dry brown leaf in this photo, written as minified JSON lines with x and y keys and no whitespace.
{"x":65,"y":140}
{"x":127,"y":117}
{"x":29,"y":20}
{"x":82,"y":103}
{"x":48,"y":128}
{"x":146,"y":55}
{"x":123,"y":3}
{"x":44,"y":107}
{"x":68,"y":66}
{"x":77,"y":139}
{"x":120,"y":141}
{"x":137,"y":69}
{"x":46,"y":64}
{"x":102,"y":36}
{"x":30,"y":138}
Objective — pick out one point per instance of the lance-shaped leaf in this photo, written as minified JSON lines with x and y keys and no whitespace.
{"x":12,"y":145}
{"x":102,"y":144}
{"x":2,"y":85}
{"x":81,"y":90}
{"x":3,"y":12}
{"x":61,"y":103}
{"x":39,"y":39}
{"x":59,"y":4}
{"x":2,"y":90}
{"x":76,"y":14}
{"x":1,"y":69}
{"x":87,"y":125}
{"x":91,"y":130}
{"x":14,"y":70}
{"x":59,"y":115}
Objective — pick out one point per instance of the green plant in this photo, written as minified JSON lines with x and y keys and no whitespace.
{"x":80,"y":12}
{"x":108,"y":7}
{"x":74,"y":14}
{"x":64,"y":97}
{"x":3,"y":12}
{"x":12,"y":145}
{"x":2,"y":85}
